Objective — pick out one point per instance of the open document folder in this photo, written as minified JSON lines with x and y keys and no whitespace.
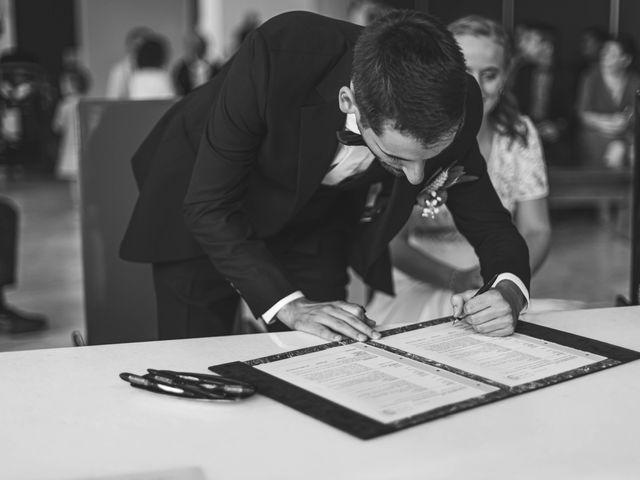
{"x":420,"y":372}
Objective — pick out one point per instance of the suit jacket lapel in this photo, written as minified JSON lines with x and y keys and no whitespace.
{"x":319,"y":121}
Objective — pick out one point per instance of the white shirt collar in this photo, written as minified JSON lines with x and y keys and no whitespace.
{"x":351,"y":123}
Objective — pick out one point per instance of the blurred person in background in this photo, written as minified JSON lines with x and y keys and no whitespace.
{"x":542,"y":90}
{"x":118,"y":81}
{"x":71,"y":65}
{"x":26,"y":104}
{"x":591,"y":41}
{"x":432,"y":260}
{"x":74,"y":84}
{"x":12,"y":320}
{"x":363,"y":12}
{"x":605,"y":106}
{"x":150,"y":78}
{"x":193,"y":69}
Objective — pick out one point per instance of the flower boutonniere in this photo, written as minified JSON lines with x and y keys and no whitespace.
{"x":433,"y":196}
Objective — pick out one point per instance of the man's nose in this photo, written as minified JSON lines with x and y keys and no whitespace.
{"x":414,"y":172}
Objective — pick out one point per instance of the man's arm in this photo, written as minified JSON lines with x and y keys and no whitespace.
{"x":214,"y":207}
{"x":481,"y":218}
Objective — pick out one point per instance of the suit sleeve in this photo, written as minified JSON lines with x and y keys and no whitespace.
{"x":480,"y":216}
{"x":476,"y":208}
{"x":214,"y":208}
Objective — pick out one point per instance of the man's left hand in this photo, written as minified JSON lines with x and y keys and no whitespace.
{"x":488,"y":313}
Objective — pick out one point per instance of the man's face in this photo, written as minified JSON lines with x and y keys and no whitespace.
{"x":401,"y":154}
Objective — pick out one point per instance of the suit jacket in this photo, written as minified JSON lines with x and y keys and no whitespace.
{"x":247,"y":151}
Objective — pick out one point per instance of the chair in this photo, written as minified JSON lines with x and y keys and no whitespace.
{"x":119,"y":299}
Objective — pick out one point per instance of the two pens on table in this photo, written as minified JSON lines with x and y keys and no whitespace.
{"x":190,"y":385}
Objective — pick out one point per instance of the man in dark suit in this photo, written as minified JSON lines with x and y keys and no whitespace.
{"x":245,"y":190}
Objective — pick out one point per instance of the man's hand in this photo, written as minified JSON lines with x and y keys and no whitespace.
{"x":492,"y":313}
{"x":328,"y":320}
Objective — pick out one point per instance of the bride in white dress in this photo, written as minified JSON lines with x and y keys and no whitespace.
{"x":432,"y":260}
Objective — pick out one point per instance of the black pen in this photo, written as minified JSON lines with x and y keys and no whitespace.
{"x":153,"y":386}
{"x":212,"y":383}
{"x":484,"y":288}
{"x":195,"y":390}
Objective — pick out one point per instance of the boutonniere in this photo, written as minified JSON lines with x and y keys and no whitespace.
{"x":433,"y":196}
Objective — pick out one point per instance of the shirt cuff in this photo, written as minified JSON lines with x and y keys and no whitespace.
{"x":511,"y":277}
{"x":270,"y":315}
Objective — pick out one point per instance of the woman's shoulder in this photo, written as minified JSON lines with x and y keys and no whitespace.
{"x":526,"y":120}
{"x":533,"y":137}
{"x":528,"y":130}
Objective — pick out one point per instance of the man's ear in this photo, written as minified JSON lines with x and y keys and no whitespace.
{"x":347,"y":101}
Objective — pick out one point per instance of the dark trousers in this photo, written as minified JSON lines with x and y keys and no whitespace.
{"x":193,"y":301}
{"x":8,"y":239}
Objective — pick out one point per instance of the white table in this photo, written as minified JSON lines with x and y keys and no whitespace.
{"x":65,"y":414}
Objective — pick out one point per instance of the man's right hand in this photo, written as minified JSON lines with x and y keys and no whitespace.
{"x":328,"y":320}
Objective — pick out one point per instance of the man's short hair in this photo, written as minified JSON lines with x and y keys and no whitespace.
{"x":409,"y":74}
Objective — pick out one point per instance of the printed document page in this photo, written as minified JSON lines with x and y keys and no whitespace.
{"x":374,"y":382}
{"x":512,"y":360}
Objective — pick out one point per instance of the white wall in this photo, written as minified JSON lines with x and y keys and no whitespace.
{"x":7,"y":39}
{"x":219,"y":19}
{"x":332,"y":8}
{"x":211,"y":26}
{"x":105,"y":23}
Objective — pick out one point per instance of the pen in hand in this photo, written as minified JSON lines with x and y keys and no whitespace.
{"x":485,"y":288}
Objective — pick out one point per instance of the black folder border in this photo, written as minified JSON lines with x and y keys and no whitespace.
{"x":365,"y":427}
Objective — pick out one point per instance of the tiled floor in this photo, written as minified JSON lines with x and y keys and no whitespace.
{"x":50,"y":274}
{"x":588,"y":261}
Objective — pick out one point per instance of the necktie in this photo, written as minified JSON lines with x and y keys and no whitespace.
{"x":349,"y":138}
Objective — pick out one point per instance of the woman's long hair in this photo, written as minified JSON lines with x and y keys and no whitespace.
{"x":505,"y":116}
